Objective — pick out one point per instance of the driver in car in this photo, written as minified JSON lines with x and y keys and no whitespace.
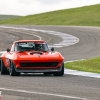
{"x":38,"y":47}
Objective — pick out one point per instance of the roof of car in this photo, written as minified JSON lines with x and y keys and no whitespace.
{"x":29,"y":41}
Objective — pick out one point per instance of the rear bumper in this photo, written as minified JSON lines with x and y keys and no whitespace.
{"x":38,"y":70}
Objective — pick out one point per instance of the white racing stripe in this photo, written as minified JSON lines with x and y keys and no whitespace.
{"x":41,"y":93}
{"x":67,"y":39}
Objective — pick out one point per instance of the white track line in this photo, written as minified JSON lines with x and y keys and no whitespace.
{"x":1,"y":52}
{"x":67,"y":39}
{"x":40,"y":38}
{"x":41,"y":93}
{"x":81,"y":73}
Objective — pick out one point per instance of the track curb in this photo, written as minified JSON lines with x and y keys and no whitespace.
{"x":80,"y":73}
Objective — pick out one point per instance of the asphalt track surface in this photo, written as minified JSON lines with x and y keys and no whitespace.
{"x":40,"y":87}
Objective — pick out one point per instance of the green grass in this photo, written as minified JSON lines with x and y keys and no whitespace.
{"x":90,"y":65}
{"x":3,"y":17}
{"x":82,"y":16}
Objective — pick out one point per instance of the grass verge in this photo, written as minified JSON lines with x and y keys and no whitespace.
{"x":89,"y":65}
{"x":82,"y":16}
{"x":3,"y":17}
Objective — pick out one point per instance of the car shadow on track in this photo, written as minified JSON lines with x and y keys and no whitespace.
{"x":37,"y":75}
{"x":34,"y":75}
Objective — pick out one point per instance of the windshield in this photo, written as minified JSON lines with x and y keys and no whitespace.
{"x":30,"y":46}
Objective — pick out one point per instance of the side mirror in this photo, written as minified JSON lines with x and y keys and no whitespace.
{"x":52,"y":49}
{"x":8,"y":50}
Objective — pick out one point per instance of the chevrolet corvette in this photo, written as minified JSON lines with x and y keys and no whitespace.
{"x":31,"y":56}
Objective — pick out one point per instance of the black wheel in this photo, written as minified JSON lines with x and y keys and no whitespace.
{"x":3,"y":68}
{"x":12,"y":70}
{"x":61,"y":73}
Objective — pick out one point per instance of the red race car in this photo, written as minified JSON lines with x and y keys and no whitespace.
{"x":31,"y":56}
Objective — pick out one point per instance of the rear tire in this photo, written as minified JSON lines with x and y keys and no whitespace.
{"x":61,"y":73}
{"x":12,"y":70}
{"x":3,"y":68}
